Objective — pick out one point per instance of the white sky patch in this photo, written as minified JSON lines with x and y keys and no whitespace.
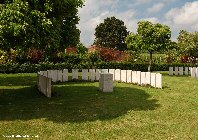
{"x":131,"y":11}
{"x":152,"y":19}
{"x":185,"y":17}
{"x":156,"y":8}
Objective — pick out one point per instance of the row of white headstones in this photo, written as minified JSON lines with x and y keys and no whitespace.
{"x":127,"y":76}
{"x":193,"y":71}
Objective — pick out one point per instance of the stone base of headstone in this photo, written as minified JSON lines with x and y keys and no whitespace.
{"x":106,"y":82}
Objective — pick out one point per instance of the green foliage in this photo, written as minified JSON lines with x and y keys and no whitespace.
{"x":150,"y":37}
{"x":81,"y":48}
{"x":47,"y":25}
{"x":111,"y":33}
{"x":188,"y":43}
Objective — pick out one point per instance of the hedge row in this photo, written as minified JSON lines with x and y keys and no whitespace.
{"x":33,"y":68}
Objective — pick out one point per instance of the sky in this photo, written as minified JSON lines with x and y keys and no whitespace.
{"x":177,"y":14}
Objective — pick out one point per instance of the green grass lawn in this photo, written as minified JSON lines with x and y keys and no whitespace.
{"x":80,"y":111}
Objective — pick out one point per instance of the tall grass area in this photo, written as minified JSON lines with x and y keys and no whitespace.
{"x":80,"y":111}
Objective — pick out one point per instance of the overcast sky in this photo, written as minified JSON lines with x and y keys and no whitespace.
{"x":177,"y":14}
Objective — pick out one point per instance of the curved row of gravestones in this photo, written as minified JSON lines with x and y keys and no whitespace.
{"x":193,"y":71}
{"x":45,"y":78}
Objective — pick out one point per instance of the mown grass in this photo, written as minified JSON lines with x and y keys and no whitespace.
{"x":80,"y":111}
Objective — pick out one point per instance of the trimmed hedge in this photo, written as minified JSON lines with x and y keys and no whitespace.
{"x":33,"y":68}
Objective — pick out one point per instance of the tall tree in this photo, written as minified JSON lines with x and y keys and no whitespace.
{"x":49,"y":25}
{"x":188,"y":43}
{"x":111,"y":33}
{"x":150,"y":37}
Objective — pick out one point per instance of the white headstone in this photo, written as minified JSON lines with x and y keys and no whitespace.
{"x":138,"y":77}
{"x":75,"y":74}
{"x":41,"y":72}
{"x":124,"y":76}
{"x":65,"y":75}
{"x":98,"y":74}
{"x":193,"y":72}
{"x":104,"y":71}
{"x":148,"y":78}
{"x":181,"y":71}
{"x":85,"y":74}
{"x":45,"y":73}
{"x":118,"y":75}
{"x":196,"y":72}
{"x":143,"y":78}
{"x":134,"y":77}
{"x":54,"y":75}
{"x":186,"y":72}
{"x":158,"y":80}
{"x":129,"y":76}
{"x":170,"y":70}
{"x":92,"y":73}
{"x":106,"y":82}
{"x":49,"y":73}
{"x":176,"y":71}
{"x":153,"y":79}
{"x":60,"y":75}
{"x":112,"y":71}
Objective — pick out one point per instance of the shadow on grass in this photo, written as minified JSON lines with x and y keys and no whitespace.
{"x":74,"y":103}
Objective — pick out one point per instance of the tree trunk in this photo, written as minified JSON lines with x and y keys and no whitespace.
{"x":150,"y":62}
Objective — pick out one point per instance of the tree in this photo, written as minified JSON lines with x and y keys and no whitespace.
{"x":150,"y":37}
{"x":111,"y":33}
{"x":188,"y":44}
{"x":82,"y":49}
{"x":47,"y":25}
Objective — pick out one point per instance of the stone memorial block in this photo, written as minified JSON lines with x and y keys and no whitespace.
{"x":143,"y":78}
{"x":176,"y":71}
{"x":134,"y":77}
{"x":104,"y":71}
{"x":193,"y":72}
{"x":49,"y":87}
{"x":98,"y":71}
{"x":181,"y":71}
{"x":92,"y":73}
{"x":65,"y":75}
{"x":60,"y":75}
{"x":85,"y":74}
{"x":153,"y":79}
{"x":118,"y":75}
{"x":75,"y":74}
{"x":170,"y":70}
{"x":129,"y":76}
{"x":112,"y":71}
{"x":106,"y":82}
{"x":148,"y":78}
{"x":138,"y":77}
{"x":54,"y":75}
{"x":124,"y":76}
{"x":158,"y":83}
{"x":43,"y":84}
